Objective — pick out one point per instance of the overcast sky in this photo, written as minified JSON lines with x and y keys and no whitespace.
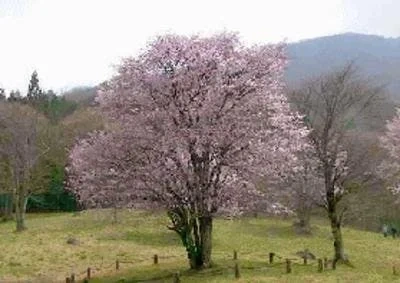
{"x":76,"y":42}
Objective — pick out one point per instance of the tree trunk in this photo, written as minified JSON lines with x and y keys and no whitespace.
{"x":206,"y":240}
{"x":20,"y":209}
{"x":199,"y":252}
{"x":196,"y":235}
{"x":337,"y":238}
{"x":303,"y":225}
{"x":336,"y":230}
{"x":195,"y":260}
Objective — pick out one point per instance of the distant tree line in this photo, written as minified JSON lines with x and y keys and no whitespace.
{"x":36,"y":131}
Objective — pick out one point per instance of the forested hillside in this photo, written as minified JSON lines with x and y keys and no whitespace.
{"x":376,"y":57}
{"x":54,"y":121}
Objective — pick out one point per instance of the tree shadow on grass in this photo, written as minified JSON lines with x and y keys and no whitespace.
{"x":156,"y":279}
{"x":161,"y":238}
{"x":185,"y":275}
{"x":223,"y":270}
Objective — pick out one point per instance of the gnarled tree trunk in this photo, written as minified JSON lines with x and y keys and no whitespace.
{"x":206,"y":240}
{"x":196,"y":236}
{"x":335,"y":227}
{"x":199,"y":243}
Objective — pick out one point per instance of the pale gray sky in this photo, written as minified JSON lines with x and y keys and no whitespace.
{"x":76,"y":42}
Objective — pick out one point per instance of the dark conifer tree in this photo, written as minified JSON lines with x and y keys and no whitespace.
{"x":35,"y":93}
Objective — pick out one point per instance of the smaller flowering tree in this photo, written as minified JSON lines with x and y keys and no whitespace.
{"x":305,"y":188}
{"x":299,"y":189}
{"x":390,"y":167}
{"x":194,"y":120}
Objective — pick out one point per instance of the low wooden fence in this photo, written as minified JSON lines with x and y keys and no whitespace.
{"x":87,"y":274}
{"x":273,"y":260}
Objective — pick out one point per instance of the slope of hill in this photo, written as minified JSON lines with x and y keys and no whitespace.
{"x":56,"y":245}
{"x":377,"y":58}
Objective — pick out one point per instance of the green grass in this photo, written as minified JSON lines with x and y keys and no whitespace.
{"x":41,"y":254}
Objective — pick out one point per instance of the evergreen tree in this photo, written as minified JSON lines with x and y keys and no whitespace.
{"x":35,"y":93}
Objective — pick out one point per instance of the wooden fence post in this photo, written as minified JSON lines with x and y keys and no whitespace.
{"x":235,"y":255}
{"x":325,"y":263}
{"x":305,"y":260}
{"x":237,"y":271}
{"x":88,"y":273}
{"x":271,"y":258}
{"x":155,"y":259}
{"x":320,"y":265}
{"x":72,"y":278}
{"x":117,"y":264}
{"x":288,"y":266}
{"x":177,"y":278}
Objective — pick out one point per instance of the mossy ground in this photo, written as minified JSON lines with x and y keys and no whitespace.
{"x":42,"y":254}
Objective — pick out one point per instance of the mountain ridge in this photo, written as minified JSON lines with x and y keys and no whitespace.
{"x":377,"y":58}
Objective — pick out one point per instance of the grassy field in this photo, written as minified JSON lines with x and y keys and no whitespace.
{"x":42,"y":254}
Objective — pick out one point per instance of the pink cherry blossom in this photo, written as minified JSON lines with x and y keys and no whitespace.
{"x":192,"y":121}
